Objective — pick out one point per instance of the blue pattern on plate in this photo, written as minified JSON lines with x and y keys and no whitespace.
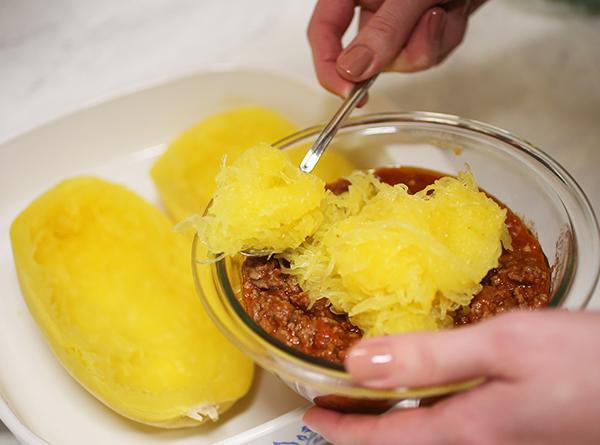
{"x":306,"y":437}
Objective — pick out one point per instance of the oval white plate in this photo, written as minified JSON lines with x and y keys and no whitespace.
{"x":119,"y":140}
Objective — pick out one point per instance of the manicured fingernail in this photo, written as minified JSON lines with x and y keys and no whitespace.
{"x":371,"y":362}
{"x":355,"y":61}
{"x":436,"y":25}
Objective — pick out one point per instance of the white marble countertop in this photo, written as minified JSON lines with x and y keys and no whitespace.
{"x":527,"y":66}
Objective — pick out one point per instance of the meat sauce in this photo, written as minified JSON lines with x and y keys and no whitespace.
{"x":278,"y":305}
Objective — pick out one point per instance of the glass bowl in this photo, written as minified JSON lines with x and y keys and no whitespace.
{"x":523,"y":177}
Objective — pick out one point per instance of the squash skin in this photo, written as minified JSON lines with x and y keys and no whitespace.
{"x":109,"y":283}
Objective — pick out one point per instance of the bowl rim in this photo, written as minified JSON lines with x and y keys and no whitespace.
{"x":394,"y":118}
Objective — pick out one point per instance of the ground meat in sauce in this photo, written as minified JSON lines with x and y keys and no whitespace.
{"x":274,"y":300}
{"x":521,"y":280}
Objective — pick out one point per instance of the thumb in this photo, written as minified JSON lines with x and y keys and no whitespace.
{"x":381,"y":38}
{"x":426,"y":358}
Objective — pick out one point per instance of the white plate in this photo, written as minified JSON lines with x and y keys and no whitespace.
{"x":119,"y":140}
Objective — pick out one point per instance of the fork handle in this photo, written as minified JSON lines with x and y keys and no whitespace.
{"x":318,"y":148}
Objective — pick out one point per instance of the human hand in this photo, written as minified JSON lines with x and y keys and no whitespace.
{"x":396,"y":35}
{"x":542,"y":384}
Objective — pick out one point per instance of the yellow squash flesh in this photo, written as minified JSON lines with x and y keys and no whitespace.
{"x":393,"y":261}
{"x":396,"y":262}
{"x":262,"y":202}
{"x":185,"y":174}
{"x":109,"y":283}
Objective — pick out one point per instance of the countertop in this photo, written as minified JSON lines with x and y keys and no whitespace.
{"x":526,"y":65}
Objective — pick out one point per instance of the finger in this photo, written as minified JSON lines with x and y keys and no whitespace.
{"x":381,"y":38}
{"x":412,"y":426}
{"x":363,"y":101}
{"x":366,"y":15}
{"x":456,"y":26}
{"x":424,"y":47}
{"x":434,"y":38}
{"x":428,"y":358}
{"x":329,"y":21}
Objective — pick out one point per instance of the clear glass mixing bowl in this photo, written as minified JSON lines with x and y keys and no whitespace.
{"x":523,"y":177}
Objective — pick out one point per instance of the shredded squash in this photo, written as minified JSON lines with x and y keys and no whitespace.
{"x":394,"y":262}
{"x":263,"y":202}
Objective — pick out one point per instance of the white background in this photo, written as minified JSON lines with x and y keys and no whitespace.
{"x":529,"y":66}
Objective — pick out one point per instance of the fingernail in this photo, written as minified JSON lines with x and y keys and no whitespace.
{"x":371,"y":362}
{"x":436,"y":25}
{"x":355,"y":61}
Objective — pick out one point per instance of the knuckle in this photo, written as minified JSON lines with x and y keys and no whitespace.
{"x":381,"y":27}
{"x":312,"y":32}
{"x":309,"y":32}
